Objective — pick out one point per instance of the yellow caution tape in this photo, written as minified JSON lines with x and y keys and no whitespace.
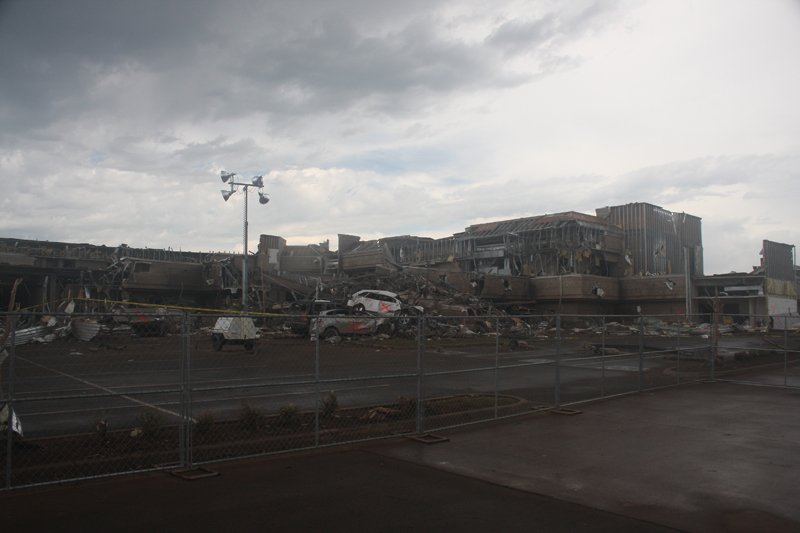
{"x":215,"y":311}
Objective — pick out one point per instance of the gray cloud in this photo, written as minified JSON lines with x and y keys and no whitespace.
{"x":87,"y":60}
{"x":525,"y":36}
{"x":708,"y":176}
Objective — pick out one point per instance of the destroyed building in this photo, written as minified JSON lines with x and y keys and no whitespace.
{"x":627,"y":259}
{"x":53,"y":271}
{"x":768,"y":293}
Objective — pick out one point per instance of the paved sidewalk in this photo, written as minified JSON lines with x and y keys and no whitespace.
{"x":708,"y":457}
{"x":346,"y":490}
{"x":702,"y":457}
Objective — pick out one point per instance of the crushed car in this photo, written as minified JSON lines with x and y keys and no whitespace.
{"x":303,"y":311}
{"x":150,"y":322}
{"x":340,"y":322}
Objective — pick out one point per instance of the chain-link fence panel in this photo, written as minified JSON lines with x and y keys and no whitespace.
{"x":674,"y":350}
{"x":597,"y":358}
{"x":92,"y":395}
{"x":369,"y":368}
{"x":766,"y":354}
{"x":481,"y":369}
{"x":612,"y":355}
{"x":249,"y":393}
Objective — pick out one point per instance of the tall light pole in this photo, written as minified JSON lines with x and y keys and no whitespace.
{"x":257,"y":181}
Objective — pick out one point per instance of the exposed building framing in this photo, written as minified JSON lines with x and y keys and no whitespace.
{"x":633,"y":258}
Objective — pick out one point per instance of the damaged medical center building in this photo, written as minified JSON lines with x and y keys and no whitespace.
{"x":629,"y":259}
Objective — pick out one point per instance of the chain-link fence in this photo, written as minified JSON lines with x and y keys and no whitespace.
{"x":97,"y":395}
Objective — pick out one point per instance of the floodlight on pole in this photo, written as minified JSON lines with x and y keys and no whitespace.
{"x":258,"y":182}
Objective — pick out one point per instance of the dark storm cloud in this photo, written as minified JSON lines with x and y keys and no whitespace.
{"x":338,"y":66}
{"x":89,"y":61}
{"x":53,"y":53}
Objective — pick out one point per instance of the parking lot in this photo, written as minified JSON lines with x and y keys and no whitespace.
{"x":61,"y":387}
{"x":91,"y":401}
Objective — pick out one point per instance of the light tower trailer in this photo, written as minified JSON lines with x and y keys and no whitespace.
{"x":234,"y":330}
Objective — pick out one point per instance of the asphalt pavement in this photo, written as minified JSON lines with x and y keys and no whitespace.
{"x":705,"y":457}
{"x":61,"y":388}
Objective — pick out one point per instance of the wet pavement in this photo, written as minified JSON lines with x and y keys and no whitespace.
{"x":703,"y":457}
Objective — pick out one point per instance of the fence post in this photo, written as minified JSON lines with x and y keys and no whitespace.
{"x":10,"y":403}
{"x":679,"y":352}
{"x":558,"y":362}
{"x":785,"y":349}
{"x":641,"y":350}
{"x":182,"y":424}
{"x":603,"y":362}
{"x":496,"y":360}
{"x":316,"y":383}
{"x":188,"y":380}
{"x":713,"y":342}
{"x":420,"y":374}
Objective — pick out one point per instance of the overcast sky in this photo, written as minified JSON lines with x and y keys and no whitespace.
{"x":379,"y":118}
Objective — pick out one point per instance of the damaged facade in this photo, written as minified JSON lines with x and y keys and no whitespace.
{"x":768,"y":293}
{"x":628,"y":259}
{"x":625,"y":259}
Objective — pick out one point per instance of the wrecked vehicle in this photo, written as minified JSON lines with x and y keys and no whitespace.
{"x":338,"y":322}
{"x":234,"y":330}
{"x":301,"y":312}
{"x":465,"y":315}
{"x":383,"y":302}
{"x":154,"y":323}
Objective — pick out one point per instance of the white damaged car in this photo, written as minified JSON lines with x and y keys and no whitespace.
{"x":374,"y":301}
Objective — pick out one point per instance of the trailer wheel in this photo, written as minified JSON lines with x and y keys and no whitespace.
{"x":249,"y":345}
{"x":217,"y":341}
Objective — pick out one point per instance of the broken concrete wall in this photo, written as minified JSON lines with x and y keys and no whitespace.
{"x":499,"y":288}
{"x":462,"y":282}
{"x":366,"y":259}
{"x":354,"y":255}
{"x":362,"y":256}
{"x":301,"y":260}
{"x":655,"y":295}
{"x":783,"y":312}
{"x":653,"y":288}
{"x":164,"y":275}
{"x":16,"y":259}
{"x":488,"y":286}
{"x":413,"y":250}
{"x":348,"y":242}
{"x":574,"y":287}
{"x":270,"y":250}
